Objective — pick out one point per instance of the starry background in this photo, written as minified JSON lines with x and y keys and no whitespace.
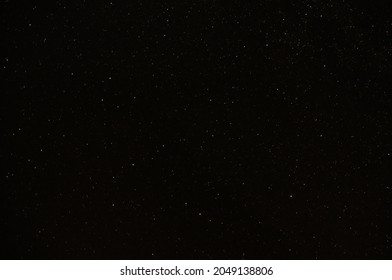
{"x":196,"y":129}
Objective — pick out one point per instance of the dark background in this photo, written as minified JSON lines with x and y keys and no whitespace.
{"x":196,"y":129}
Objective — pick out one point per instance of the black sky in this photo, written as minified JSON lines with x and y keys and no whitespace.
{"x":196,"y":129}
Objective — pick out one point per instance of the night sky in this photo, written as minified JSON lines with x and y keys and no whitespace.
{"x":196,"y":130}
